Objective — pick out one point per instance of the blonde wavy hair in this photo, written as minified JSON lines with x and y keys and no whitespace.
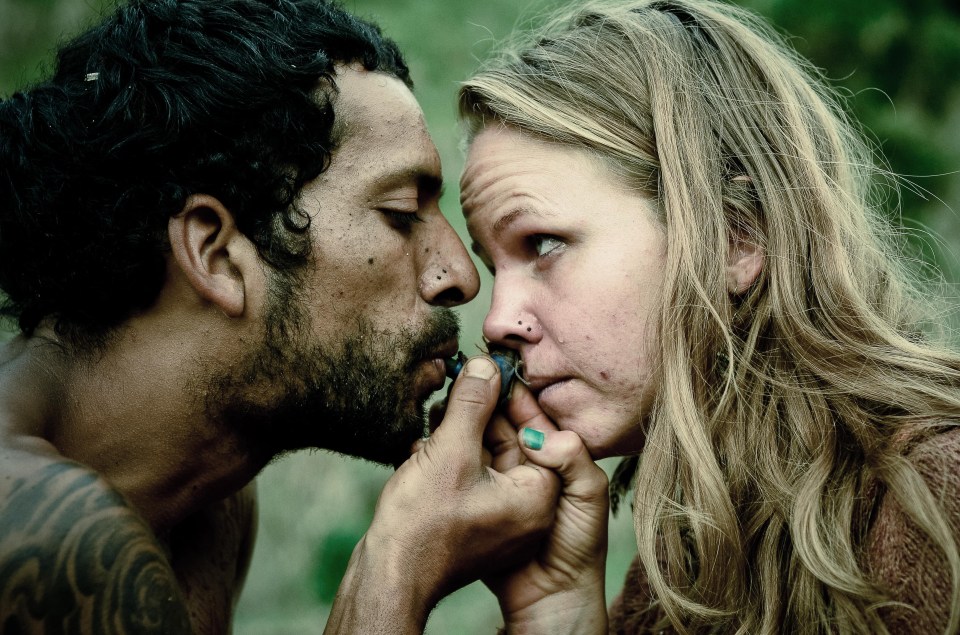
{"x":781,"y":410}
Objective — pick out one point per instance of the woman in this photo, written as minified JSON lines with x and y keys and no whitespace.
{"x":688,"y":256}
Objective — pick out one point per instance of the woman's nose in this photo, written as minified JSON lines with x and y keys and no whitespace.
{"x":509,"y":320}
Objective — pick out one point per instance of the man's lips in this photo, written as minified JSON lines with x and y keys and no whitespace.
{"x":435,"y":377}
{"x":447,"y":350}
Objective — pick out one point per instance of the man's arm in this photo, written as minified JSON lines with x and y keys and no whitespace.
{"x":76,"y":559}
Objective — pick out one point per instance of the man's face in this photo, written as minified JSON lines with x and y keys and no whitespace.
{"x":354,"y":341}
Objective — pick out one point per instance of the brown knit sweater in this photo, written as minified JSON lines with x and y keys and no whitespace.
{"x":898,"y":555}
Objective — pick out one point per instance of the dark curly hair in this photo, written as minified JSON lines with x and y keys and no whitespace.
{"x":163,"y":99}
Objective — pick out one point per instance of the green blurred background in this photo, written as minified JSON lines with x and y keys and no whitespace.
{"x":896,"y":62}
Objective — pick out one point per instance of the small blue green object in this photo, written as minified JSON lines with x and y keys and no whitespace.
{"x":533,"y":439}
{"x":505,"y":359}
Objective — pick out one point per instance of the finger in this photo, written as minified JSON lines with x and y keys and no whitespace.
{"x":470,"y":404}
{"x":436,"y":412}
{"x":500,"y":438}
{"x":523,"y":411}
{"x":418,"y":445}
{"x":538,"y":487}
{"x":486,"y":459}
{"x":415,"y":447}
{"x":564,"y":451}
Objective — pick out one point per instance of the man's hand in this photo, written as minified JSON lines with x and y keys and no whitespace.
{"x":560,"y":590}
{"x":444,"y":519}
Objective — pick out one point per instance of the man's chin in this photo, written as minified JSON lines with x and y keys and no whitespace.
{"x":388,"y":443}
{"x":389,"y":452}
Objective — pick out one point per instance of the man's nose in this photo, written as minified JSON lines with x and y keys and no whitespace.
{"x":448,"y":277}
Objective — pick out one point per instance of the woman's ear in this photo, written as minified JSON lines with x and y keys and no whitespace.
{"x":744,"y":262}
{"x":211,"y":252}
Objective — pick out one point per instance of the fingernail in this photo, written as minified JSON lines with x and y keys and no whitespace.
{"x":531,"y":438}
{"x":480,"y":367}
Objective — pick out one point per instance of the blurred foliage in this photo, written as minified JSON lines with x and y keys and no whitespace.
{"x":894,"y":62}
{"x":897,"y":61}
{"x":331,"y":560}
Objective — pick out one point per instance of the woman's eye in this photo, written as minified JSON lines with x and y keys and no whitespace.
{"x":545,"y":244}
{"x":401,"y":220}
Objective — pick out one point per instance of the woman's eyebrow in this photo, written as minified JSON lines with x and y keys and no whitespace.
{"x":510,"y":217}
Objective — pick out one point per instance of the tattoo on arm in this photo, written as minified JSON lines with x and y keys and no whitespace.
{"x":76,"y":560}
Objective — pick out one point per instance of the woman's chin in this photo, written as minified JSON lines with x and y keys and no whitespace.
{"x":603,"y":439}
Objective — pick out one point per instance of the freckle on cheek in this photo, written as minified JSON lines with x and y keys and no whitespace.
{"x":604,"y":374}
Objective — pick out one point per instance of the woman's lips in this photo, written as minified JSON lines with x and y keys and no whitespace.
{"x":548,"y":390}
{"x":539,"y":383}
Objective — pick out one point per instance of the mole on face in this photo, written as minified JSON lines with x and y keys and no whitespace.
{"x":604,"y":374}
{"x":369,"y":261}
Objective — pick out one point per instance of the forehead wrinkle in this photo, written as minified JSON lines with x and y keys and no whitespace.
{"x":477,"y":179}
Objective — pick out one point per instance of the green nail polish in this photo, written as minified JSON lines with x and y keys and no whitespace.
{"x":533,"y":439}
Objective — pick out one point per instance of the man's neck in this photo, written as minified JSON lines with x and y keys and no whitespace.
{"x":130,"y":413}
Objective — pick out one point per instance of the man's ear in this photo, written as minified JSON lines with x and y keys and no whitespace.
{"x":211,"y":251}
{"x":744,"y":262}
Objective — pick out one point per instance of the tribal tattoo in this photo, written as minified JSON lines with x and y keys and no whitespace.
{"x":75,"y":559}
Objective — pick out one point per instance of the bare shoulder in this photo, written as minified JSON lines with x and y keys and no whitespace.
{"x":75,"y":558}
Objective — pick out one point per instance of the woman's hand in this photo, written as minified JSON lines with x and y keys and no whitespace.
{"x":561,"y":590}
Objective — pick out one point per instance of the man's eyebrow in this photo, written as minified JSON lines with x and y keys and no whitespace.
{"x":428,"y":182}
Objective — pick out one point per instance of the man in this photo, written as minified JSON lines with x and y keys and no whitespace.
{"x":220,"y":236}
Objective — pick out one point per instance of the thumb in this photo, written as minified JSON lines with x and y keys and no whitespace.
{"x":471,"y":402}
{"x":564,"y":452}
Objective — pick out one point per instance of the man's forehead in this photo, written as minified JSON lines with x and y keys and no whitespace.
{"x":368,"y":100}
{"x":379,"y":118}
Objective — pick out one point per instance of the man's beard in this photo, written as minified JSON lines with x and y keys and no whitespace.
{"x":352,"y":396}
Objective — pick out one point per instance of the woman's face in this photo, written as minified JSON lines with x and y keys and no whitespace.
{"x":578,"y":264}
